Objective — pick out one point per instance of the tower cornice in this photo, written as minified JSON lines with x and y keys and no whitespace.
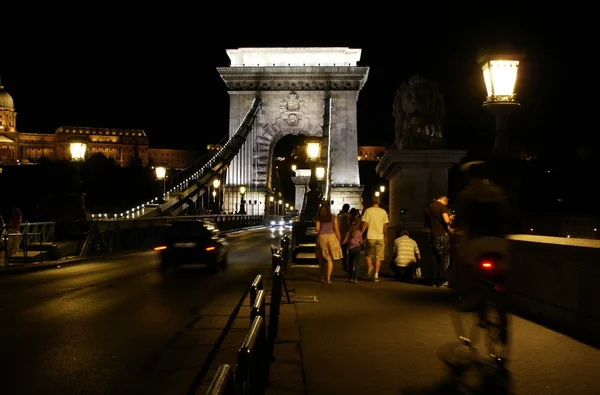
{"x":316,"y":78}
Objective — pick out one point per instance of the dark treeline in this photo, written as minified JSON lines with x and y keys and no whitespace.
{"x":39,"y":189}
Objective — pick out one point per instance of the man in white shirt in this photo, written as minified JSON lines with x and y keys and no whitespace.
{"x":374,"y":221}
{"x":406,"y":253}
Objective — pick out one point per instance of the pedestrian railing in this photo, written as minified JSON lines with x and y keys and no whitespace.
{"x":257,"y":350}
{"x":222,"y":383}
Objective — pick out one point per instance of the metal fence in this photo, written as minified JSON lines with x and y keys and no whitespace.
{"x":256,"y":353}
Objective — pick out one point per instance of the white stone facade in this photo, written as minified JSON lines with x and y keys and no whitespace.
{"x":292,"y":102}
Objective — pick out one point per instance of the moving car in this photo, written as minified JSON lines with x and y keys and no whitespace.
{"x":193,"y":242}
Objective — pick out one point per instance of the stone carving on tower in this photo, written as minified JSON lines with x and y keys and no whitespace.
{"x":294,"y":117}
{"x":419,"y":114}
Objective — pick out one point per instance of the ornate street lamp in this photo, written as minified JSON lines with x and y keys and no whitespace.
{"x":294,"y":167}
{"x":382,"y":188}
{"x":320,"y":173}
{"x":242,"y":201}
{"x":500,"y":76}
{"x":500,"y":73}
{"x":161,"y":174}
{"x":216,"y":184}
{"x":78,"y":151}
{"x":313,"y":196}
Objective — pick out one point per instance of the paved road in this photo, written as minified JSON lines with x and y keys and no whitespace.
{"x":385,"y":337}
{"x":102,"y":327}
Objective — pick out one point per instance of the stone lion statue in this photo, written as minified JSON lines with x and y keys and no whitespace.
{"x":419,"y":115}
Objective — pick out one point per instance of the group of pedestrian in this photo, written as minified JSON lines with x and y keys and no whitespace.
{"x":343,"y":236}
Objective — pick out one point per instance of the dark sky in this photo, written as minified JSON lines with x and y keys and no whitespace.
{"x":160,"y":75}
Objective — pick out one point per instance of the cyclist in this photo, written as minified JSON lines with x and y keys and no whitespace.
{"x":482,"y":219}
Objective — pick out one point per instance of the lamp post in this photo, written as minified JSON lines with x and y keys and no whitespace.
{"x":500,"y":77}
{"x":313,"y":196}
{"x":73,"y":207}
{"x":216,"y":184}
{"x":242,"y":201}
{"x":500,"y":71}
{"x":382,"y":188}
{"x":161,"y":174}
{"x":279,"y":206}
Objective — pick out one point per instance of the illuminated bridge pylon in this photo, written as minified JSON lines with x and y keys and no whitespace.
{"x":304,"y":91}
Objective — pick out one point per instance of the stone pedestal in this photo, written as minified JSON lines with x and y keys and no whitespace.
{"x":416,"y":177}
{"x":351,"y":194}
{"x":301,"y":187}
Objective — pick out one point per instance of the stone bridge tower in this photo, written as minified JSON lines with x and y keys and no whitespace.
{"x":293,"y":85}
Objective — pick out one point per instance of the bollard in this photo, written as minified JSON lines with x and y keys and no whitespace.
{"x":252,"y":364}
{"x":222,"y":383}
{"x":256,"y":285}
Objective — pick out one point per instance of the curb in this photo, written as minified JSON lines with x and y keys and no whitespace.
{"x":36,"y":267}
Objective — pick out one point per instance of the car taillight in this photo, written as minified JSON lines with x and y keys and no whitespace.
{"x":487,"y":264}
{"x":212,"y":248}
{"x":160,"y":248}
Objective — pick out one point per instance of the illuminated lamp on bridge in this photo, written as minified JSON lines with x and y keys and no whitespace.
{"x":72,"y":206}
{"x":161,"y":174}
{"x":313,"y":196}
{"x":78,"y":149}
{"x":500,"y":72}
{"x":242,"y":201}
{"x":500,"y":76}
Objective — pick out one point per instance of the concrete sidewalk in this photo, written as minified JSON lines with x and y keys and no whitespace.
{"x":386,"y":338}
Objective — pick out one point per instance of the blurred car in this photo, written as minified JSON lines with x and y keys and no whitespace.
{"x":276,"y":221}
{"x":193,"y":242}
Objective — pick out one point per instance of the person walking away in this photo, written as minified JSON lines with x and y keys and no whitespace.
{"x":482,"y":219}
{"x":344,"y":221}
{"x":14,"y":230}
{"x":374,"y":221}
{"x":328,"y":240}
{"x":439,"y":228}
{"x":353,"y":241}
{"x":406,"y":253}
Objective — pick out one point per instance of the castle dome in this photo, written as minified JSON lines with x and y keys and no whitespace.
{"x":6,"y":100}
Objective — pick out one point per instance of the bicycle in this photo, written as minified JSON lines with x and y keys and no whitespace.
{"x":485,"y":307}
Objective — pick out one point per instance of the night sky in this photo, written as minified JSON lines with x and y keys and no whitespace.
{"x":161,"y":76}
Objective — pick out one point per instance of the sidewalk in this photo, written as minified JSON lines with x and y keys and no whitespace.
{"x":370,"y":337}
{"x":17,"y":268}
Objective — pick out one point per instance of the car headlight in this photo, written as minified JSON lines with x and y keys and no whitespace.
{"x":281,"y":222}
{"x":272,"y":222}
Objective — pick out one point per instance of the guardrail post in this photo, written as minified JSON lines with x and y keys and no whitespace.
{"x":285,"y":257}
{"x":274,"y":311}
{"x":222,"y":383}
{"x":285,"y":253}
{"x":252,"y":362}
{"x":256,"y":286}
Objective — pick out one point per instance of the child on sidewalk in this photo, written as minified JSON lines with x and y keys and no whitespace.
{"x":354,"y":240}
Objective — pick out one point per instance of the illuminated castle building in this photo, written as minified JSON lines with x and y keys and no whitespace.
{"x":122,"y":145}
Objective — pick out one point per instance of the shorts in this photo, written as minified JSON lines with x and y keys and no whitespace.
{"x":375,"y":249}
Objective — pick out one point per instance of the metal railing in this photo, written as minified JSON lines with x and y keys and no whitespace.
{"x":222,"y":383}
{"x":257,"y":351}
{"x":32,"y":236}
